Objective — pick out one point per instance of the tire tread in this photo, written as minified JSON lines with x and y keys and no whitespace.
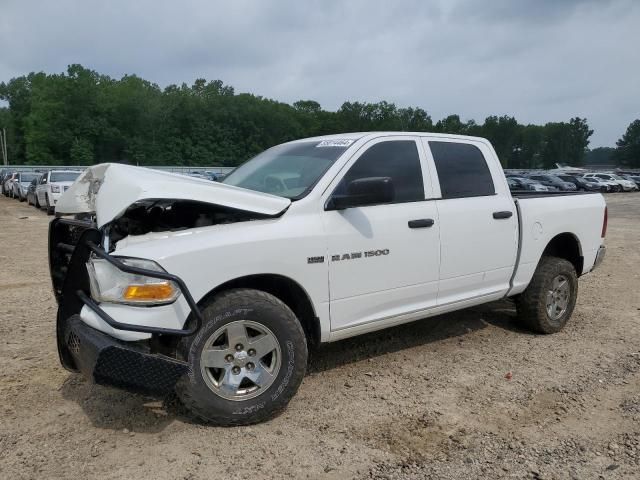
{"x":197,"y":410}
{"x":530,"y":305}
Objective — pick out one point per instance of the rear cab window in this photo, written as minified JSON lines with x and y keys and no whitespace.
{"x":462,"y":170}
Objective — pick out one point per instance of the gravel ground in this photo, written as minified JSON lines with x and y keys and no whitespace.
{"x":427,"y":400}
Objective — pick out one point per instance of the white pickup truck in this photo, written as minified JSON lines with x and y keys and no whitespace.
{"x":218,"y":290}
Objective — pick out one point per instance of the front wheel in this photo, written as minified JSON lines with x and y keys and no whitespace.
{"x":548,"y":302}
{"x":247,"y":360}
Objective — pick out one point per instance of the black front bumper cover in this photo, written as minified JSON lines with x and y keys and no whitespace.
{"x":108,"y":361}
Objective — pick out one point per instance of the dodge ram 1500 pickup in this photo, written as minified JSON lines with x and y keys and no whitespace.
{"x":217,"y":291}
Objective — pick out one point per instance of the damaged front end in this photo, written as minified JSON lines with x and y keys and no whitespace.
{"x":146,"y":367}
{"x":109,"y":190}
{"x":109,"y":203}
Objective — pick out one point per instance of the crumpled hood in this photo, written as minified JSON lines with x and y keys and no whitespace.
{"x":109,"y":189}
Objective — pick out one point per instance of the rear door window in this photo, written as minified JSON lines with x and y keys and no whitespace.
{"x":462,"y":170}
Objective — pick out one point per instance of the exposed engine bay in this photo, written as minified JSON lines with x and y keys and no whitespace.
{"x":173,"y":215}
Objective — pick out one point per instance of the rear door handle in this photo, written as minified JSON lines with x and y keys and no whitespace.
{"x":501,"y":215}
{"x":421,"y":223}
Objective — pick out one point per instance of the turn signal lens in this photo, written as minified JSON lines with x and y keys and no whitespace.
{"x":152,"y":291}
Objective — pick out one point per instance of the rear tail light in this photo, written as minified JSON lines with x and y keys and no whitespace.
{"x":605,"y":221}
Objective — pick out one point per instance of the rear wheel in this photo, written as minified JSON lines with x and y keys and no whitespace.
{"x":548,"y":302}
{"x":247,"y":361}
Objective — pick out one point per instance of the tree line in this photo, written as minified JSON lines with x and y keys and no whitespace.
{"x":81,"y":117}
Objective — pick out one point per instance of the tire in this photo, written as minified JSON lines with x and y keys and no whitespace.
{"x":37,"y":204}
{"x":235,"y":310}
{"x":48,"y":207}
{"x":533,"y":304}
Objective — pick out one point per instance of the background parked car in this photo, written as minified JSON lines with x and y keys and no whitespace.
{"x":21,"y":184}
{"x":583,"y":184}
{"x":52,"y":185}
{"x":613,"y":186}
{"x":610,"y":186}
{"x":523,"y":183}
{"x":4,"y":173}
{"x":197,"y":175}
{"x":626,"y":185}
{"x":553,"y":181}
{"x":7,"y":184}
{"x":31,"y":190}
{"x":633,"y":178}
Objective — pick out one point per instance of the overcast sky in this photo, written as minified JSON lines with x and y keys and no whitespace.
{"x":539,"y":60}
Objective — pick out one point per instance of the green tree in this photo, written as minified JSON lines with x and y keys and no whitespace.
{"x":600,"y":156}
{"x":81,"y":116}
{"x":565,"y":143}
{"x":81,"y":152}
{"x":503,"y":132}
{"x":628,"y":147}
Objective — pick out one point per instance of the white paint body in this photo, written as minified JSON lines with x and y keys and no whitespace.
{"x":466,"y":258}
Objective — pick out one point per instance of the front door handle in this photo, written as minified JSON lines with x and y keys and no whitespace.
{"x":422,"y":223}
{"x":501,"y":215}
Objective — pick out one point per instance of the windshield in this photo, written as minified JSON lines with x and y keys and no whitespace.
{"x":63,"y":176}
{"x":288,"y":170}
{"x":28,"y":177}
{"x":617,"y":177}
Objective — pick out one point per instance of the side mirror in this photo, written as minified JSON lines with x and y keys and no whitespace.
{"x":362,"y":192}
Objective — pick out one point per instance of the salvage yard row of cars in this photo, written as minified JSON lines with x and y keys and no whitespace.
{"x":43,"y":190}
{"x":565,"y":181}
{"x":39,"y":189}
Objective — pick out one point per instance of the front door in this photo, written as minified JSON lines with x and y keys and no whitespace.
{"x":383,"y":259}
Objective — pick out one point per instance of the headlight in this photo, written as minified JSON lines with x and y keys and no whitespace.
{"x":55,"y":188}
{"x":109,"y":284}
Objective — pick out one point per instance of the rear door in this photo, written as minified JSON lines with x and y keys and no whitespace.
{"x":383,"y":259}
{"x":478,"y":223}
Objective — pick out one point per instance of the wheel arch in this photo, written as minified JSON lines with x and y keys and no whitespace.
{"x":566,"y":245}
{"x":287,"y":290}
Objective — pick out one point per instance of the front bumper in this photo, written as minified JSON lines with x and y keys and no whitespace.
{"x":125,"y":365}
{"x":146,"y":367}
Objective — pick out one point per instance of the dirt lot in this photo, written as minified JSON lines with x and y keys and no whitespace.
{"x":429,"y":399}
